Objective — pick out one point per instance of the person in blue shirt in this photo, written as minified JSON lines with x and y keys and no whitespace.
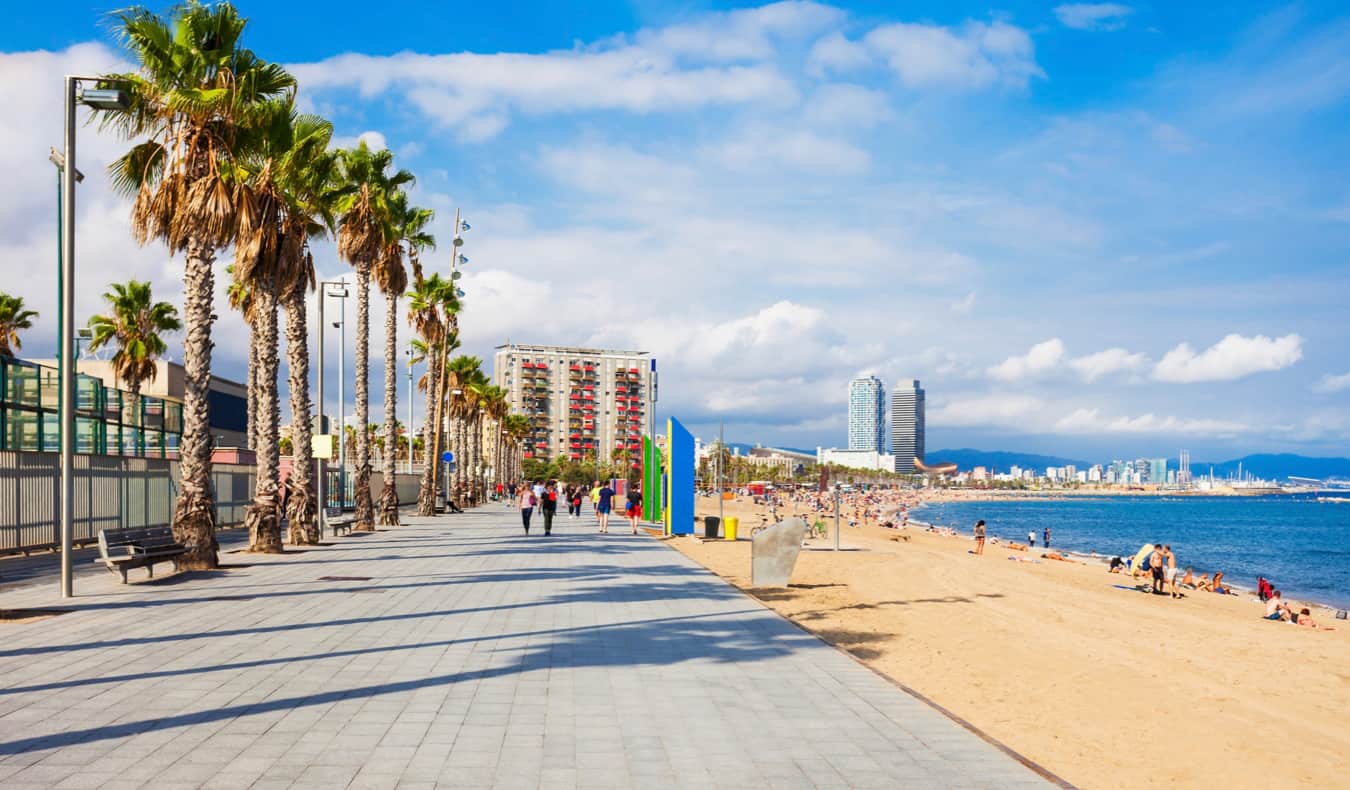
{"x":603,"y":505}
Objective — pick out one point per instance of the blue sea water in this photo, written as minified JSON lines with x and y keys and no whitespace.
{"x":1300,"y":544}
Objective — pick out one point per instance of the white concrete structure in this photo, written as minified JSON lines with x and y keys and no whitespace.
{"x":870,"y":460}
{"x":867,"y":414}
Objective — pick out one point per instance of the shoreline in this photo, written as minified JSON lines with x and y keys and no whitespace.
{"x":1242,"y":590}
{"x":1065,"y":663}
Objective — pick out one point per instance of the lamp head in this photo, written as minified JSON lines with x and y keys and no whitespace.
{"x":104,"y":98}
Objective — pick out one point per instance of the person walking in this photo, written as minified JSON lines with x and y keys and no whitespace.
{"x":604,"y":500}
{"x":548,"y":505}
{"x":595,"y":499}
{"x":979,"y":537}
{"x":634,"y":506}
{"x":526,"y":503}
{"x":574,"y":498}
{"x":1046,"y":537}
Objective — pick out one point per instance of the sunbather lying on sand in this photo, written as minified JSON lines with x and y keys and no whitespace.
{"x":1305,"y":619}
{"x":1204,"y":583}
{"x":1188,"y":580}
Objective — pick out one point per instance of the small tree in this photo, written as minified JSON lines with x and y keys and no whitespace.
{"x":13,"y":317}
{"x":134,"y":324}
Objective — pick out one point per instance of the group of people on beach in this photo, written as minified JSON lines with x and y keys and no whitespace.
{"x":544,"y":495}
{"x":1277,"y":609}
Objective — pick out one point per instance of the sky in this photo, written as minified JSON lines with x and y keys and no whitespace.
{"x":1095,"y":230}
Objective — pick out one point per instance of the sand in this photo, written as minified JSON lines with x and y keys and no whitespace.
{"x":1106,"y":687}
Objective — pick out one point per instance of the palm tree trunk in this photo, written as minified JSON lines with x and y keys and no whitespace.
{"x":389,"y":494}
{"x":194,"y":517}
{"x":431,"y":444}
{"x":263,"y":516}
{"x":251,"y":392}
{"x":300,"y":506}
{"x":365,"y":508}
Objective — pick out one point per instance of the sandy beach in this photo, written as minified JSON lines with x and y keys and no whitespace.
{"x":1104,"y":686}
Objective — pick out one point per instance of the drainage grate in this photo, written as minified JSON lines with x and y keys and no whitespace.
{"x":367,"y":590}
{"x":345,"y":579}
{"x":231,"y":598}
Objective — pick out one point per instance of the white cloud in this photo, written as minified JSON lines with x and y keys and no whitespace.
{"x":1093,"y":16}
{"x":1113,"y":360}
{"x":974,"y":55}
{"x":1042,"y":358}
{"x":986,"y":410}
{"x":374,"y":140}
{"x":1233,"y":357}
{"x":1092,"y":421}
{"x":1331,"y":383}
{"x":717,"y":60}
{"x":843,"y":105}
{"x":835,"y":53}
{"x":772,"y":149}
{"x":964,"y":305}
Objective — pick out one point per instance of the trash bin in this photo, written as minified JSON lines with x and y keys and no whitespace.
{"x":730,"y":532}
{"x":710,"y":526}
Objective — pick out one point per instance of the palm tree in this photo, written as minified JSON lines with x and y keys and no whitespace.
{"x":196,"y":89}
{"x":462,"y":372}
{"x":287,"y":197}
{"x":13,"y":318}
{"x":308,"y":179}
{"x":408,"y":225}
{"x":135,"y":324}
{"x":241,"y":299}
{"x":431,"y":302}
{"x":363,"y":234}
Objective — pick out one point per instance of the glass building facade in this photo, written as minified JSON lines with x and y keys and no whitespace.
{"x":108,"y":421}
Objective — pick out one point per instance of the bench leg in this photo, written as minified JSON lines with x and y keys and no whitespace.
{"x":123,"y":569}
{"x":150,"y":568}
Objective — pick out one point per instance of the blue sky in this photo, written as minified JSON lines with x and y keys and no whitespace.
{"x":1091,"y":229}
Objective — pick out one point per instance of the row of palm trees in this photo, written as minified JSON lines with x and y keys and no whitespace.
{"x":222,"y":159}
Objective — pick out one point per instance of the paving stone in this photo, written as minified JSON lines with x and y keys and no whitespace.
{"x":489,"y":659}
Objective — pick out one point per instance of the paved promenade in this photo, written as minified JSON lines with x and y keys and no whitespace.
{"x":468,"y":655}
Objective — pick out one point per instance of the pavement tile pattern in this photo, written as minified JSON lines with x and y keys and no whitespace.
{"x":473,"y":656}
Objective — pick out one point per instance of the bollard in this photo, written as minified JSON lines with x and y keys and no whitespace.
{"x":729,"y":529}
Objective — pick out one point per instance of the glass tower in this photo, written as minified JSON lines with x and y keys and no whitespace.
{"x":867,"y":414}
{"x":907,"y":426}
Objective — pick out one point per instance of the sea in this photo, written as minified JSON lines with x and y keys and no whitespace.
{"x":1298,"y":543}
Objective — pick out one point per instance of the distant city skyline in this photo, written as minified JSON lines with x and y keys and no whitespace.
{"x":1086,"y":235}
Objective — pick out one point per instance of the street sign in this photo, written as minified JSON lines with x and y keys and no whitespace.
{"x":448,"y":457}
{"x":322,"y":445}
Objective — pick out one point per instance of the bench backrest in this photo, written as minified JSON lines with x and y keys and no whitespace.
{"x":145,"y":537}
{"x":332,"y":512}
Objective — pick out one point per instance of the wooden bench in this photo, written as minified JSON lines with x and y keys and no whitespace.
{"x":338,"y":521}
{"x":140,"y":547}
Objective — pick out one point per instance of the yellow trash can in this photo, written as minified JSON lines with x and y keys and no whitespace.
{"x":729,"y":527}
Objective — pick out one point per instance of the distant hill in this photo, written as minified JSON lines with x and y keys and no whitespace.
{"x":1274,"y":466}
{"x":1001,"y":460}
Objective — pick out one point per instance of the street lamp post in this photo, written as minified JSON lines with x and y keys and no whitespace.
{"x":340,"y":292}
{"x":102,"y":99}
{"x":408,"y":429}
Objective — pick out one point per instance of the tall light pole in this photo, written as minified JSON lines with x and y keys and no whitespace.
{"x":340,"y":292}
{"x":408,"y":429}
{"x":100,"y":99}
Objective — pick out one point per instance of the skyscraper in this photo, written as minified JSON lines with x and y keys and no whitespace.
{"x":867,"y":414}
{"x":907,"y":426}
